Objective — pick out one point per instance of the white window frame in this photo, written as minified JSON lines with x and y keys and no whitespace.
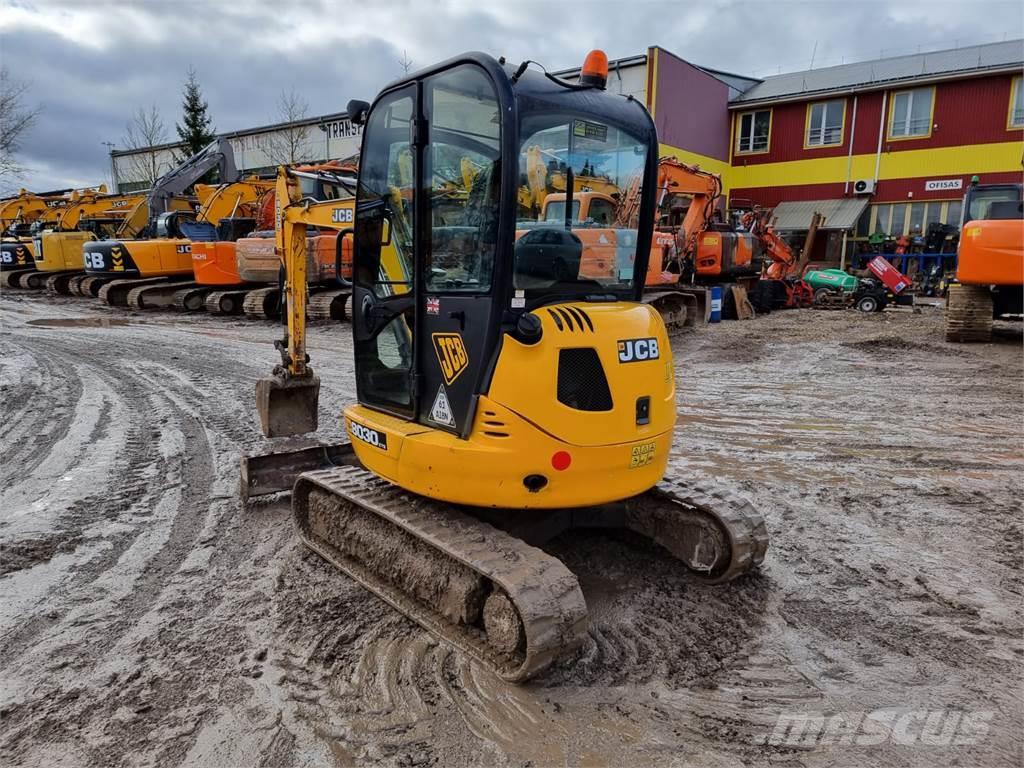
{"x":753,"y":121}
{"x":815,"y":135}
{"x":907,"y":119}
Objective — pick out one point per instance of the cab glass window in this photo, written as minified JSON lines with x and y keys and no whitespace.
{"x":463,"y":178}
{"x":568,"y":156}
{"x":383,"y":227}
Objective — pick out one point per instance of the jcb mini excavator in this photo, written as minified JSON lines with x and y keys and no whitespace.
{"x":503,"y":398}
{"x":990,"y":262}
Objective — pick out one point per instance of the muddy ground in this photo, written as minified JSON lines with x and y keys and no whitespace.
{"x":148,"y":619}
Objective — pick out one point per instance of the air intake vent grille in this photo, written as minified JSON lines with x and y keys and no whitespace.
{"x":571,"y":318}
{"x":581,"y":381}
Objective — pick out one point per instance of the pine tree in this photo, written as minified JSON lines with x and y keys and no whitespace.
{"x":197,"y":130}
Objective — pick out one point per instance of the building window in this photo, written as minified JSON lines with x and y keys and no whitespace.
{"x":953,"y":213}
{"x":916,"y":217}
{"x":911,"y":114}
{"x":753,"y":133}
{"x":825,"y":123}
{"x":1016,"y":118}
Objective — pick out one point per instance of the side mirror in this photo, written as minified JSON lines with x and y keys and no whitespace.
{"x":357,"y":111}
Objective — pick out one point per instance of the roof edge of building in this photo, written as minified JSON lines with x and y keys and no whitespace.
{"x":875,"y":85}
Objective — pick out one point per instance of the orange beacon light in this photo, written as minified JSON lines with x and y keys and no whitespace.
{"x":595,"y":69}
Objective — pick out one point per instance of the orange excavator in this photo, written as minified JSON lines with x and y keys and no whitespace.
{"x":240,"y":273}
{"x":781,"y":286}
{"x":990,"y":262}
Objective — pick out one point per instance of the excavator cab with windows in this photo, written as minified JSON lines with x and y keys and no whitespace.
{"x":504,"y":393}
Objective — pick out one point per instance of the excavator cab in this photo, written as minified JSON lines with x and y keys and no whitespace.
{"x":439,"y":286}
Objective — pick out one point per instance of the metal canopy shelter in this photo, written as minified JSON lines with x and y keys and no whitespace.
{"x":840,"y":215}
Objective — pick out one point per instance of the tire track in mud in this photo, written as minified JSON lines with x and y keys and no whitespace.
{"x":163,"y":527}
{"x":248,"y":650}
{"x":37,"y":404}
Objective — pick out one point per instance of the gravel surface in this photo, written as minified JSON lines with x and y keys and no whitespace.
{"x":146,"y":618}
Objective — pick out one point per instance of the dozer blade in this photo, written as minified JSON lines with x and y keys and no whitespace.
{"x":277,"y":471}
{"x":287,"y":405}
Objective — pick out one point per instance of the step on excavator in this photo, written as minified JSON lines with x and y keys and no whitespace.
{"x":503,"y":397}
{"x":244,"y":271}
{"x":147,"y":272}
{"x":990,"y":263}
{"x":20,"y":217}
{"x":89,"y":216}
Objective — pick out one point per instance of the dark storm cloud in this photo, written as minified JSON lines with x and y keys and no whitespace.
{"x":93,"y":64}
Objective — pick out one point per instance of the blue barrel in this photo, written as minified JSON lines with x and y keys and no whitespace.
{"x":716,"y":304}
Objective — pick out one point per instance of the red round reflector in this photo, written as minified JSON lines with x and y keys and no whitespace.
{"x":561,"y":460}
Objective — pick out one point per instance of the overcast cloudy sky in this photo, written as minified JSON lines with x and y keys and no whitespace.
{"x":91,"y":63}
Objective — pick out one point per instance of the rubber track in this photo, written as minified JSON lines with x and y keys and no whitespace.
{"x":9,"y":279}
{"x":14,"y":278}
{"x":968,"y":314}
{"x":254,"y":303}
{"x":329,"y":305}
{"x":116,"y":292}
{"x":545,"y":593}
{"x":157,"y":293}
{"x":181,"y":299}
{"x":60,"y":283}
{"x":735,"y":516}
{"x":213,"y":300}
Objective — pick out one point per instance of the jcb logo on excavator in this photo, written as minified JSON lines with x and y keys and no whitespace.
{"x":637,"y":350}
{"x":184,"y":248}
{"x":451,"y":354}
{"x":341,"y":216}
{"x":6,"y":257}
{"x":93,"y":260}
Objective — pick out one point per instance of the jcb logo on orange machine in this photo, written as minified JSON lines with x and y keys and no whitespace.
{"x":451,"y":354}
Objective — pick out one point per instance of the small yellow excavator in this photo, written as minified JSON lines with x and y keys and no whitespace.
{"x":504,"y":397}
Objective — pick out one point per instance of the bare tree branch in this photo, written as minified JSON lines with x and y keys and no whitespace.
{"x":144,"y":131}
{"x":16,"y":118}
{"x":290,"y":144}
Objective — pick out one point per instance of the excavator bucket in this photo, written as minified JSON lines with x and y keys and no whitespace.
{"x":287,"y":405}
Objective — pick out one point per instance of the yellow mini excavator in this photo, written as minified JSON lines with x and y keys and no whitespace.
{"x":503,"y":396}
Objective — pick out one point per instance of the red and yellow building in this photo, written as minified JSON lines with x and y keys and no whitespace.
{"x":912,"y":130}
{"x":888,"y":144}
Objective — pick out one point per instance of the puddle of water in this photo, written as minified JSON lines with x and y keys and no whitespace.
{"x":80,"y":322}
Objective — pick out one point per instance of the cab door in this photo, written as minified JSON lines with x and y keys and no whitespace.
{"x":460,"y":211}
{"x":383,"y":258}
